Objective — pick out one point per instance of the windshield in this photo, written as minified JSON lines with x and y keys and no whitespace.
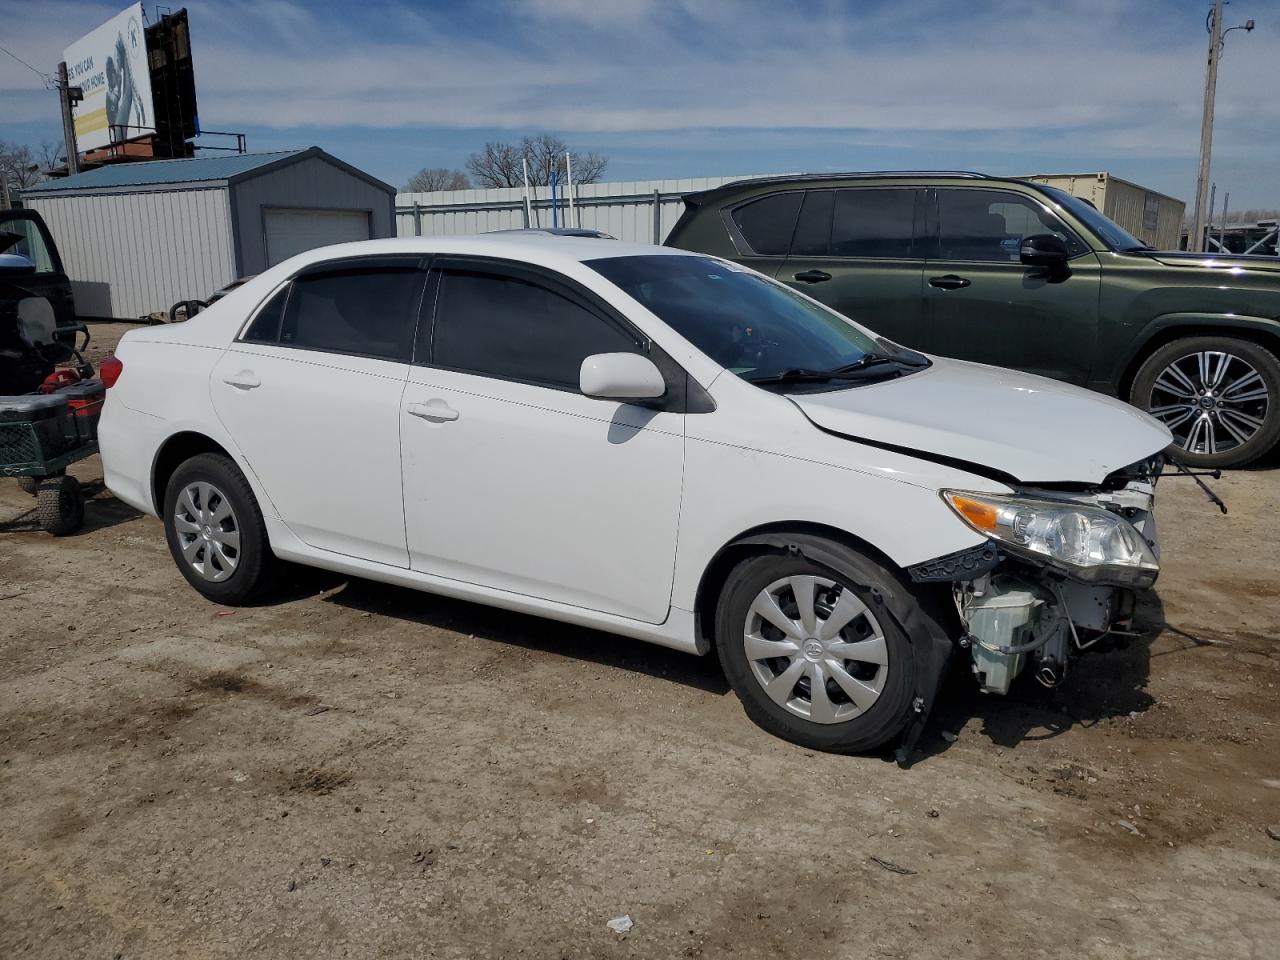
{"x":1113,"y":235}
{"x":745,"y":322}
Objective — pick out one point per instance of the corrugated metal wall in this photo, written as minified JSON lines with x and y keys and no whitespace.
{"x":1150,"y":216}
{"x":311,"y":184}
{"x":129,"y":254}
{"x":623,"y":209}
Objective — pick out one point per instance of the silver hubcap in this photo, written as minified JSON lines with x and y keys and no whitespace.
{"x":208,"y":532}
{"x":1211,"y":401}
{"x":816,"y":649}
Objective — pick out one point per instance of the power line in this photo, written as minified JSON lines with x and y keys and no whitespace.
{"x":43,"y":76}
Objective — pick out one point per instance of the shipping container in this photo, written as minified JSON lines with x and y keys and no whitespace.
{"x":1152,"y":217}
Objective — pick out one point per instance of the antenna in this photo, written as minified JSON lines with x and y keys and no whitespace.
{"x":528,"y":208}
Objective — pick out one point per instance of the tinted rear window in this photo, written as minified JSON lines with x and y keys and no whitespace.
{"x":364,"y":311}
{"x":767,"y":223}
{"x":873,"y":223}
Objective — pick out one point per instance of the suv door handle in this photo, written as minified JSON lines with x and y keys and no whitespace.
{"x":435,"y":410}
{"x":948,"y":282}
{"x":813,"y":276}
{"x":244,"y":380}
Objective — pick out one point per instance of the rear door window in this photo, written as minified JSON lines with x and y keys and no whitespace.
{"x":813,"y":230}
{"x":768,"y":223}
{"x":874,"y":223}
{"x":989,"y":225}
{"x":513,"y":327}
{"x":369,"y":311}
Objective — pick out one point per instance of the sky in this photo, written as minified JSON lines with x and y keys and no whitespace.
{"x":685,"y":88}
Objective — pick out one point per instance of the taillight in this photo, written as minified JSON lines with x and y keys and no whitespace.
{"x":109,"y":370}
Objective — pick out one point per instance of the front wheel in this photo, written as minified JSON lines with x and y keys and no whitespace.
{"x":215,"y":530}
{"x":1219,"y":397}
{"x":814,"y":658}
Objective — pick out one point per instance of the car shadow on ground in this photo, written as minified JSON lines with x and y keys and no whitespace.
{"x":531,"y":633}
{"x":101,"y":510}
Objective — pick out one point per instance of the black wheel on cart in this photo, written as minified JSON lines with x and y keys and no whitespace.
{"x":29,"y":485}
{"x":60,"y":505}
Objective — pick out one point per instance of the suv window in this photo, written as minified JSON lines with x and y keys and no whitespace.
{"x":368,"y":311}
{"x":990,"y":225}
{"x":873,"y":223}
{"x":767,"y":224}
{"x":509,"y":327}
{"x":813,"y":231}
{"x":24,"y":237}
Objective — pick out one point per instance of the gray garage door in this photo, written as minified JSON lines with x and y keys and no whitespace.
{"x":295,"y":230}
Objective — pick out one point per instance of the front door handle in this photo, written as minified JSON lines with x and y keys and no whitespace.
{"x":813,"y":276}
{"x":436,"y":410}
{"x":948,"y":282}
{"x":244,"y":380}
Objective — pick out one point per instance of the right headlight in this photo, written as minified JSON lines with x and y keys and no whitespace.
{"x":1088,"y":543}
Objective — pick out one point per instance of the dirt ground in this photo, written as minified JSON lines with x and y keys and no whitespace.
{"x":356,"y":770}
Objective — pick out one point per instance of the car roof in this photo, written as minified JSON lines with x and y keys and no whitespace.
{"x":542,"y":249}
{"x":801,"y":179}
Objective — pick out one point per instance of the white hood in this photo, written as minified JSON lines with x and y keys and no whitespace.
{"x":1034,"y":429}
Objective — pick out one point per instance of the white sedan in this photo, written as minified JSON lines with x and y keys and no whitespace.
{"x":650,"y":442}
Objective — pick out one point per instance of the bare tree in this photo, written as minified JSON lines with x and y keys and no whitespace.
{"x":499,"y":164}
{"x":19,"y":166}
{"x":437,"y":178}
{"x":51,"y":154}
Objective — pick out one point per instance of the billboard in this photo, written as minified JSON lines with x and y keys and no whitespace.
{"x":110,"y":66}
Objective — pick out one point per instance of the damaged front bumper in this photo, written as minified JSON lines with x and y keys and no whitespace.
{"x":1034,"y":597}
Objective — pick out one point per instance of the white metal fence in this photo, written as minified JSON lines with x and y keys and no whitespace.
{"x":641,"y":211}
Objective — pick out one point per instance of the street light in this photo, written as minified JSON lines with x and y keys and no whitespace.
{"x":1217,"y":37}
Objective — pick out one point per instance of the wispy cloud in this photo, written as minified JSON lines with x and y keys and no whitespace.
{"x":1091,"y":76}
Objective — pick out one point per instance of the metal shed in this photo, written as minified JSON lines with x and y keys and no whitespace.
{"x":137,"y":237}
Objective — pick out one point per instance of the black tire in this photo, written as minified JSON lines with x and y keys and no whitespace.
{"x":256,"y":567}
{"x":881,"y":722}
{"x":29,"y":485}
{"x":1147,"y":393}
{"x":59,"y":505}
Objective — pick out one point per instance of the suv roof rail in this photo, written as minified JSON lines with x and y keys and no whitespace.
{"x":852,"y":175}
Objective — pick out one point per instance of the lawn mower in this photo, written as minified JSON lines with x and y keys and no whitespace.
{"x":50,"y":400}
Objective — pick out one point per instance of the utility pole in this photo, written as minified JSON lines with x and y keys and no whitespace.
{"x":1197,"y":239}
{"x":68,"y":95}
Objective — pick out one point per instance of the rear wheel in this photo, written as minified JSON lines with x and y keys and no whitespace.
{"x":815,"y":659}
{"x":60,"y":505}
{"x":215,"y":530}
{"x":1219,"y":397}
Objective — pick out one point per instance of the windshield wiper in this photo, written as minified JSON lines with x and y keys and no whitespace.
{"x":1138,"y":248}
{"x":877,"y":359}
{"x":795,"y":375}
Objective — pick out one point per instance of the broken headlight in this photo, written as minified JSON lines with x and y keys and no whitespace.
{"x":1088,"y":543}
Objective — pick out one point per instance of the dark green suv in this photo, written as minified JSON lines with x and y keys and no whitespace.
{"x":1022,"y":275}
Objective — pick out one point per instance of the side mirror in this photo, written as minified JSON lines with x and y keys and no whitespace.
{"x":621,"y":376}
{"x":1043,"y":250}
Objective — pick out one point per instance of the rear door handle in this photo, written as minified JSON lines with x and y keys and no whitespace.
{"x":436,"y":410}
{"x":948,"y":282}
{"x":813,"y":276}
{"x":244,"y":380}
